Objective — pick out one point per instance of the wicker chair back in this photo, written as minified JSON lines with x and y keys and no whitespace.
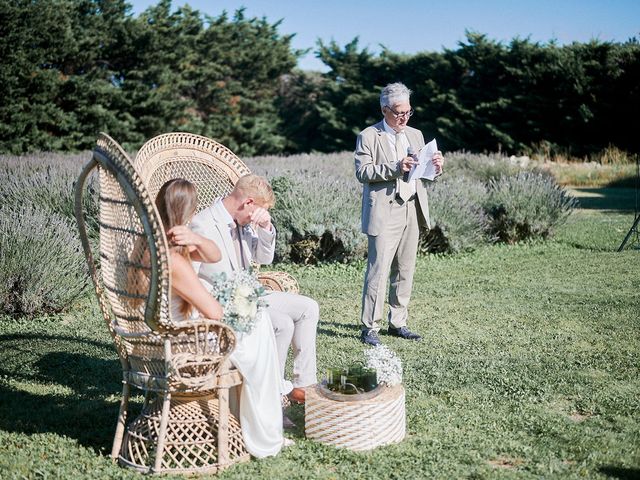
{"x":210,"y":166}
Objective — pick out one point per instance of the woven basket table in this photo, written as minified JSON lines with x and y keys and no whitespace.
{"x":356,"y":424}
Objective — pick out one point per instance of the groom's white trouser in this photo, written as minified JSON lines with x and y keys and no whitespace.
{"x":295,"y":321}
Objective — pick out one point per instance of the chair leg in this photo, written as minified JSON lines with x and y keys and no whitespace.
{"x":162,"y":434}
{"x":122,"y":420}
{"x":223,"y":427}
{"x":145,"y":403}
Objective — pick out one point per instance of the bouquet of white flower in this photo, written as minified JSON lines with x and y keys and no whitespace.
{"x":240,"y":295}
{"x":386,"y":363}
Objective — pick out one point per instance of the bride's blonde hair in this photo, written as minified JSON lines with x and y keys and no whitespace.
{"x":176,"y":202}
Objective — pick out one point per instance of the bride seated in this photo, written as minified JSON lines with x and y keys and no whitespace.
{"x":255,"y":355}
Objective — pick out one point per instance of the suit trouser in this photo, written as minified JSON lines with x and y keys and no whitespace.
{"x":391,"y":255}
{"x":295,"y":321}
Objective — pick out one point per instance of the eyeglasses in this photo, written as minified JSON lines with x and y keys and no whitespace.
{"x":399,"y":114}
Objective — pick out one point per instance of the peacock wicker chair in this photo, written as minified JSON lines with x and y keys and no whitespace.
{"x":211,"y":167}
{"x":181,"y":366}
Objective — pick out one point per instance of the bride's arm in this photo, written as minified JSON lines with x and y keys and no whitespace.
{"x":188,"y":286}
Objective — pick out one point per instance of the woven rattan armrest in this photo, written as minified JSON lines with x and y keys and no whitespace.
{"x":278,"y":281}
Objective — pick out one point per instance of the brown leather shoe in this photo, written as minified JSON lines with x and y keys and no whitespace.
{"x":297,"y":396}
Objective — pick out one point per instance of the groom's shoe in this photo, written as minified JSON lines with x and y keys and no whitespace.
{"x":370,"y":337}
{"x":403,"y":332}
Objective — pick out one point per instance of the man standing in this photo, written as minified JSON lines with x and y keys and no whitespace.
{"x":393,"y":210}
{"x":240,"y":224}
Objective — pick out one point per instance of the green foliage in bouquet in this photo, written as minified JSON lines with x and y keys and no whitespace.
{"x":241,"y":296}
{"x":42,"y":267}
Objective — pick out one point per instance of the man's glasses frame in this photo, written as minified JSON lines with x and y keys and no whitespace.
{"x":399,"y":114}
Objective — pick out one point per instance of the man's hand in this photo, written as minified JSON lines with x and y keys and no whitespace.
{"x":261,"y":218}
{"x":407,"y":163}
{"x":438,"y":161}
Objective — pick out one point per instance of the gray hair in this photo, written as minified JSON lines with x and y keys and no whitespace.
{"x":394,"y":93}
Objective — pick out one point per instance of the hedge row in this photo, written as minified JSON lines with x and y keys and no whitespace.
{"x":481,"y":199}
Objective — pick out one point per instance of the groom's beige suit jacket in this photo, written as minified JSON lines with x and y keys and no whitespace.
{"x":257,"y":246}
{"x":378,"y":170}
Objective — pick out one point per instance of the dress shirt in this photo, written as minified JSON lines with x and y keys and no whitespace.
{"x":391,"y":136}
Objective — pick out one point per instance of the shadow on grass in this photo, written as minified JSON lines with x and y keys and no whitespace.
{"x":66,"y":391}
{"x":338,"y":330}
{"x":89,"y":420}
{"x":620,"y":199}
{"x":622,"y":473}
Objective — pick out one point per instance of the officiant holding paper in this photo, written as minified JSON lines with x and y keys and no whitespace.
{"x":394,"y":208}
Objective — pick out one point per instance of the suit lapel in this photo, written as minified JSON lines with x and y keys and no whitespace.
{"x":227,"y":242}
{"x":412,"y":139}
{"x":384,"y":144}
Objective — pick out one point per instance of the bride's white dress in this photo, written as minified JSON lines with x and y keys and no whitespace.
{"x":260,"y":409}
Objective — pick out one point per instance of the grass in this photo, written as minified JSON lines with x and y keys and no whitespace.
{"x":528,"y":368}
{"x":593,"y":174}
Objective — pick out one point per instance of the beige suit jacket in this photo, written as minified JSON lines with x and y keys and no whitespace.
{"x":257,"y":245}
{"x":378,"y":171}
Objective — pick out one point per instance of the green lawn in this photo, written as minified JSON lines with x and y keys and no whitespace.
{"x":529,"y":368}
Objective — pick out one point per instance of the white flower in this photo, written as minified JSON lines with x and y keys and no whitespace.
{"x":386,"y":363}
{"x":243,"y":291}
{"x":240,"y":297}
{"x":243,"y":306}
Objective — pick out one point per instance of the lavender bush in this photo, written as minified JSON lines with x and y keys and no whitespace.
{"x":527,"y":205}
{"x":480,"y":199}
{"x":458,"y":220}
{"x":42,"y":267}
{"x":46,"y":182}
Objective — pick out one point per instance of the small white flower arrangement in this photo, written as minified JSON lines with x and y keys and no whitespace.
{"x":386,"y":363}
{"x":241,"y":296}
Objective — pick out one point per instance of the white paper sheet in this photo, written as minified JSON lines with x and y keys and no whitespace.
{"x":425,"y":167}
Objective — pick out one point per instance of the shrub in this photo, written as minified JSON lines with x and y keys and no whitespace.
{"x":42,"y":266}
{"x":47,"y":182}
{"x":482,"y":198}
{"x":334,"y":165}
{"x":485,"y":167}
{"x":317,"y":219}
{"x":458,"y":221}
{"x":527,"y":205}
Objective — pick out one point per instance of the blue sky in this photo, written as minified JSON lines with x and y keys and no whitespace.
{"x":413,"y":25}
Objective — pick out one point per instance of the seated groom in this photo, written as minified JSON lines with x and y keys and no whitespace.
{"x":240,"y":224}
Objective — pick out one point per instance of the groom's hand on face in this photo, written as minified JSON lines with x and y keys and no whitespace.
{"x":261,"y":218}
